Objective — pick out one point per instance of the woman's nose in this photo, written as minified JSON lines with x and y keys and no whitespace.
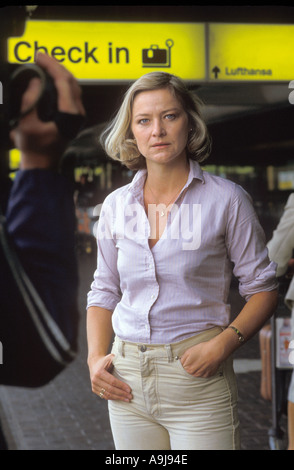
{"x":158,"y":128}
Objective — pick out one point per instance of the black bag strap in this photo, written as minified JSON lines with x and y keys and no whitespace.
{"x":51,"y":335}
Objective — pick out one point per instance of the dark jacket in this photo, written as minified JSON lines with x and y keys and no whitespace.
{"x":41,"y":225}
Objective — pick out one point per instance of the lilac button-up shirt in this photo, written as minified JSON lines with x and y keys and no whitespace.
{"x":181,"y":285}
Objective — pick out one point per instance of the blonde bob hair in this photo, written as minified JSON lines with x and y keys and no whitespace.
{"x":117,"y":139}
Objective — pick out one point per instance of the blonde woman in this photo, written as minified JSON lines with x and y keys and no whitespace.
{"x":168,"y":244}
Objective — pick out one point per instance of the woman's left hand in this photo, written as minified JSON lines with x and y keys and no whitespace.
{"x":203,"y":359}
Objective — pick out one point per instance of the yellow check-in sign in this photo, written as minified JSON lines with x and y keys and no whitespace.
{"x":251,"y":52}
{"x":106,"y":51}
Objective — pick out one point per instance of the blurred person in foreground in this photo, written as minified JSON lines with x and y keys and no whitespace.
{"x":168,"y":244}
{"x":40,"y":222}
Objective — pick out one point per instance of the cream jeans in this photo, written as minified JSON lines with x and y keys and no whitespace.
{"x":171,"y":409}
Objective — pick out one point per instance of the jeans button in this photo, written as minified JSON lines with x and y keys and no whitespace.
{"x":143,"y":348}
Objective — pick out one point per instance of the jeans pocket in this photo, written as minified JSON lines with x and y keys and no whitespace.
{"x":182,"y":369}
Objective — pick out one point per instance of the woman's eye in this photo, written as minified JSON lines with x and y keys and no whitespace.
{"x":144,"y":121}
{"x":170,"y":117}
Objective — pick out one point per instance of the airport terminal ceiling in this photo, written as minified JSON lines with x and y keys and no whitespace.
{"x":154,"y":12}
{"x":250,"y":123}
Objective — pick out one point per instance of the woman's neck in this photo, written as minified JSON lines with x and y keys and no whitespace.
{"x":165,"y":178}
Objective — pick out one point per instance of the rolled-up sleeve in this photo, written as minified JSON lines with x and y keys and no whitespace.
{"x":105,"y":288}
{"x":247,"y":249}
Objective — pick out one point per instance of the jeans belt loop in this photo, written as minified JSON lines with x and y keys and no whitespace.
{"x":121,"y":345}
{"x":169,"y":352}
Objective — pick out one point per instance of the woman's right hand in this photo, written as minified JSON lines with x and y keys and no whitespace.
{"x":104,"y":384}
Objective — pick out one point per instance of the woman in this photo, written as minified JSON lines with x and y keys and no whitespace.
{"x":166,"y":245}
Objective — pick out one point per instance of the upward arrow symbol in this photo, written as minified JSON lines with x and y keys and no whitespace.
{"x":216,"y":71}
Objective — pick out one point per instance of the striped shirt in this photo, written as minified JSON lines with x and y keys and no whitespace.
{"x":180,"y":286}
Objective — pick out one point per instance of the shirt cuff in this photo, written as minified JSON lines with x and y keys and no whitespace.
{"x":101,"y":300}
{"x":266,"y":281}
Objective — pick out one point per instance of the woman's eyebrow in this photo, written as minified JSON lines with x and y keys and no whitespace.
{"x":162,"y":112}
{"x":141,"y":114}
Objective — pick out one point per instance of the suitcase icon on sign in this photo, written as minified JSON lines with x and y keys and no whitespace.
{"x":155,"y":57}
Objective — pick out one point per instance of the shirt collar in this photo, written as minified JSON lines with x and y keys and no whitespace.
{"x":195,"y":172}
{"x":137,"y":184}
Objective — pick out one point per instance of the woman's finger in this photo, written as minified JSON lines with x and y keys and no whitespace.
{"x":103,"y":382}
{"x":110,"y":392}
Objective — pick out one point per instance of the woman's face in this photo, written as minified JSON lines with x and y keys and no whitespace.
{"x":160,"y":126}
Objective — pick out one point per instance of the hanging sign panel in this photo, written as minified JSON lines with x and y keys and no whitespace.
{"x":251,"y":52}
{"x":115,"y":51}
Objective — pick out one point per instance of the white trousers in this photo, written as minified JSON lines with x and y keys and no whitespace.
{"x":171,"y":409}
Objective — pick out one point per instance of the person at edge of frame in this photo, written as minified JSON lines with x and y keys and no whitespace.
{"x":280,"y":249}
{"x":40,"y":215}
